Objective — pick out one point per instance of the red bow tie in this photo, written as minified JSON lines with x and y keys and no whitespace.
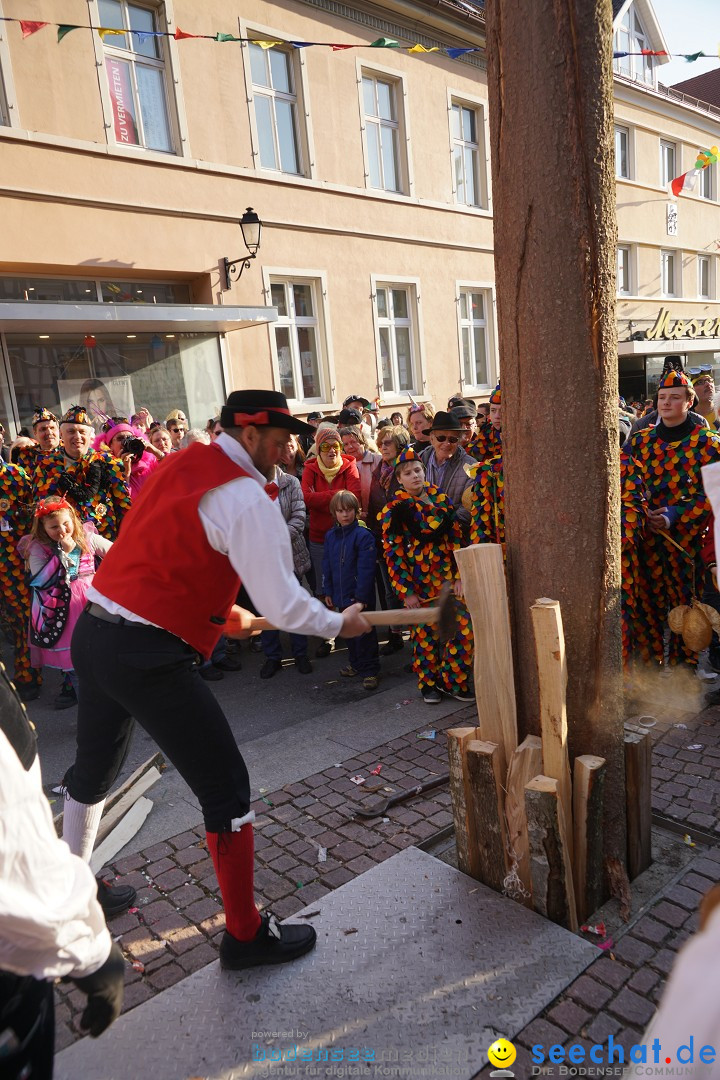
{"x":273,"y":491}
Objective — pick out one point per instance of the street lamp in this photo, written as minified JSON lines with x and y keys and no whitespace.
{"x":251,"y":226}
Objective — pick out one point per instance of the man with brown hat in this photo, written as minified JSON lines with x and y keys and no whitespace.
{"x":160,"y":598}
{"x":444,"y":462}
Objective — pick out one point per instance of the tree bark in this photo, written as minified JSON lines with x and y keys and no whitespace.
{"x":552,"y":150}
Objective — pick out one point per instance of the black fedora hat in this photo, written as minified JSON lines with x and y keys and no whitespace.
{"x":445,"y":421}
{"x":264,"y":408}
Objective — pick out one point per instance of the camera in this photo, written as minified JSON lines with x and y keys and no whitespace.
{"x":133,"y":445}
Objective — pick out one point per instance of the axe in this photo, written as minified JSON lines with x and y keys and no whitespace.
{"x":443,"y":614}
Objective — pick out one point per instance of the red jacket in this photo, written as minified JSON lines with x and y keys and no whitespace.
{"x":318,"y":493}
{"x":162,"y":567}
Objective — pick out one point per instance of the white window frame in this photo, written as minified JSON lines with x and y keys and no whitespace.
{"x":631,"y":36}
{"x":412,"y":284}
{"x":624,"y":129}
{"x":489,"y":324}
{"x":303,"y":127}
{"x":705,"y":260}
{"x":666,"y":146}
{"x":479,"y":107}
{"x":317,"y":280}
{"x":627,"y":249}
{"x":707,"y":183}
{"x":177,"y":119}
{"x":665,"y":255}
{"x":8,"y":98}
{"x":404,"y":160}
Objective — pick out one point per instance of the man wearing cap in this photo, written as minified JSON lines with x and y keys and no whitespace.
{"x":466,"y":413}
{"x":444,"y":462}
{"x":161,"y":597}
{"x":354,"y":401}
{"x":662,"y":475}
{"x":15,"y":521}
{"x":46,"y":433}
{"x":487,"y":442}
{"x":92,"y":480}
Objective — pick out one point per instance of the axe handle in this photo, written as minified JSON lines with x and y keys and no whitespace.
{"x":398,"y":617}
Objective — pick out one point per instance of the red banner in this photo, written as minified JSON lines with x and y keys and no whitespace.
{"x":118,"y":74}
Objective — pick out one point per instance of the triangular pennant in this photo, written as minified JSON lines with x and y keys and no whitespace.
{"x":103,"y":31}
{"x":301,"y":44}
{"x":29,"y":27}
{"x":226,"y":37}
{"x":690,"y":57}
{"x":266,"y":44}
{"x":339,"y":48}
{"x":143,"y":35}
{"x":64,"y":30}
{"x":422,"y":49}
{"x":179,"y":34}
{"x":454,"y":53}
{"x":385,"y":43}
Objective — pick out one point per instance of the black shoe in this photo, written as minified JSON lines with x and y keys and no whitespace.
{"x":273,"y":944}
{"x":114,"y":899}
{"x":323,"y":649}
{"x":255,"y":644}
{"x":270,"y":668}
{"x":303,"y":665}
{"x":29,"y":691}
{"x":66,"y":699}
{"x":431,"y":695}
{"x":467,"y":694}
{"x":210,"y":674}
{"x":231,"y":662}
{"x":394,"y":644}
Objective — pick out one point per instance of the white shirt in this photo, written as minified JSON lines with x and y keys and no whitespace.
{"x":240,"y":521}
{"x":50,"y":921}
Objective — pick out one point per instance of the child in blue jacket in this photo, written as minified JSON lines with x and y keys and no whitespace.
{"x":349,"y":561}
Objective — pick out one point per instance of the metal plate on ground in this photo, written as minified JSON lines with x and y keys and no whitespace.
{"x":418,"y":969}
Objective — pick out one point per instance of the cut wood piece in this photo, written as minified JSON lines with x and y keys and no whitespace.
{"x":552,"y":684}
{"x":465,"y":837}
{"x":638,"y":787}
{"x":487,"y":805}
{"x":157,"y":761}
{"x":110,"y":818}
{"x":588,"y":788}
{"x":483,"y":581}
{"x":550,"y":868}
{"x":121,"y":835}
{"x":525,"y":763}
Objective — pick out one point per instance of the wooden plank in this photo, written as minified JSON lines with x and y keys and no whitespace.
{"x":487,"y":806}
{"x":638,"y":787}
{"x":525,"y":763}
{"x":157,"y":761}
{"x":552,"y":681}
{"x":121,"y":835}
{"x":483,"y":580}
{"x":465,"y":837}
{"x":550,"y":868}
{"x":588,"y":788}
{"x":110,"y":819}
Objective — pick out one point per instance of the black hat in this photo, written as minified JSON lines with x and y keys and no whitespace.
{"x":356,"y":397}
{"x":463,"y":412}
{"x":264,"y":408}
{"x":314,"y":416}
{"x":350,"y":417}
{"x":445,"y":421}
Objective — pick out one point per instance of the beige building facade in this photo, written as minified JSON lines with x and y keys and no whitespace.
{"x":130,"y":158}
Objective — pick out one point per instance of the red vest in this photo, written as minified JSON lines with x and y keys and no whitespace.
{"x":162,"y":566}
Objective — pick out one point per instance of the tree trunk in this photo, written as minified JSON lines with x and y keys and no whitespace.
{"x":551,"y":126}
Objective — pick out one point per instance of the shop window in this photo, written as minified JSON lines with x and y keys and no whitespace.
{"x":135,"y":68}
{"x":622,"y":153}
{"x":298,"y":334}
{"x":383,"y":122}
{"x":668,"y":154}
{"x":55,"y":290}
{"x":468,"y":154}
{"x":396,"y":318}
{"x":475,"y":312}
{"x":275,"y":79}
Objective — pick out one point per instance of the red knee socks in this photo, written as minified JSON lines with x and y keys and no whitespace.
{"x":233,"y":854}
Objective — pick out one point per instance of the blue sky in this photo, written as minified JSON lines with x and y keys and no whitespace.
{"x":688,"y":27}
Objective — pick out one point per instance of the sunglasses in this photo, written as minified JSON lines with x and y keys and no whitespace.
{"x":448,"y":438}
{"x":326,"y":447}
{"x":177,"y":429}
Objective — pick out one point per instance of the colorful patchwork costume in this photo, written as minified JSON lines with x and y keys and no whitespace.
{"x":487,"y":503}
{"x":486,"y":443}
{"x":662,"y":472}
{"x":419,"y":539}
{"x":15,"y":520}
{"x":95,"y":484}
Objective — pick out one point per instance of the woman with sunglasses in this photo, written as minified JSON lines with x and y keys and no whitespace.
{"x":327,"y":472}
{"x":444,"y":462}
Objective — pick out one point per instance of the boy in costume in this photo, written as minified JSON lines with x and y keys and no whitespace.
{"x":487,"y":443}
{"x":420,"y":533}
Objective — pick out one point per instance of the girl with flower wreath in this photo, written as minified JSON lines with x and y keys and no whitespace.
{"x":60,"y":554}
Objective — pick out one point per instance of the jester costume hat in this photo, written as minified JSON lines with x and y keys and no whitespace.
{"x":408,"y":454}
{"x":674,"y":378}
{"x":41,"y":414}
{"x":77,"y":414}
{"x":494,"y":398}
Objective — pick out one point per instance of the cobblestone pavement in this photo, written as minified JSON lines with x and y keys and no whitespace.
{"x":178,"y":922}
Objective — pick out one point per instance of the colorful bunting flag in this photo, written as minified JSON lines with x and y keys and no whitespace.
{"x":385,"y":43}
{"x":688,"y":180}
{"x":262,"y":44}
{"x":103,"y":31}
{"x":29,"y":27}
{"x":64,"y":29}
{"x":180,"y":35}
{"x":422,"y":49}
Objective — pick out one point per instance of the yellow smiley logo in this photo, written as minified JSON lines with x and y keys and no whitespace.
{"x":502,"y":1053}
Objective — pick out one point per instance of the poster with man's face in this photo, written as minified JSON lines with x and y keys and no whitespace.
{"x":101,"y":397}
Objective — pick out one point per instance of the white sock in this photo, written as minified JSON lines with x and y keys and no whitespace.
{"x":81,"y":822}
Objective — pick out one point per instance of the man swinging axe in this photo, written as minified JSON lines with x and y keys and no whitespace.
{"x":160,"y":597}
